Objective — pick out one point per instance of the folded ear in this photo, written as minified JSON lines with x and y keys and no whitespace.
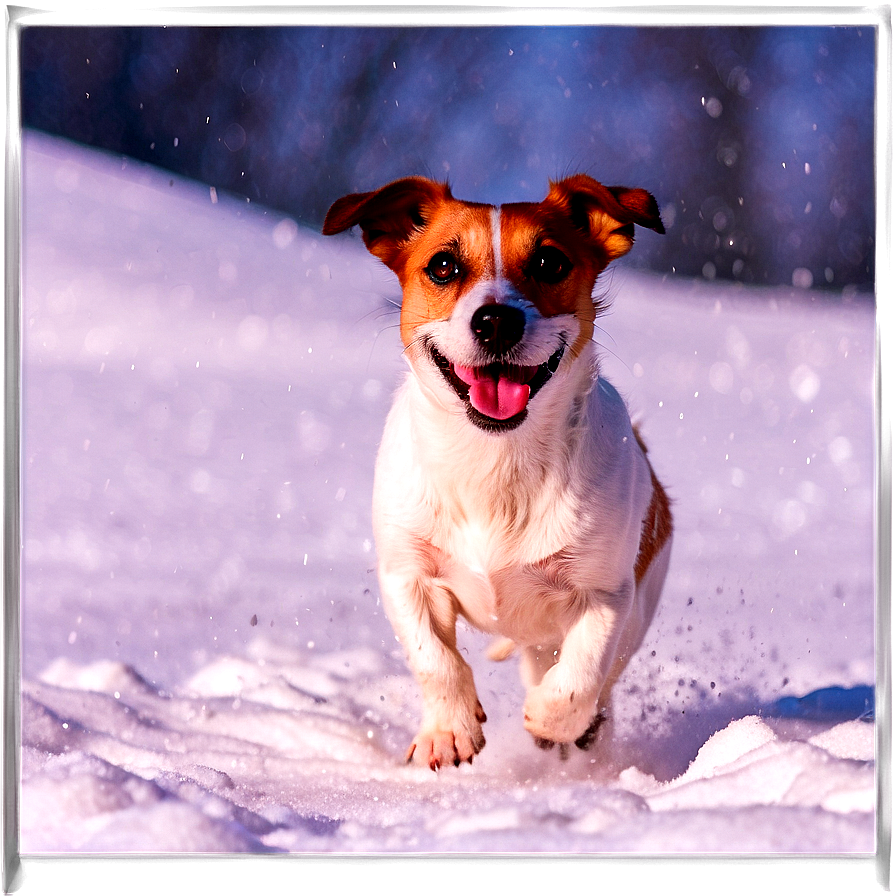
{"x":607,"y":215}
{"x":388,"y":216}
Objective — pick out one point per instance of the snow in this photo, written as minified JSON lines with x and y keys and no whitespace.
{"x":206,"y":665}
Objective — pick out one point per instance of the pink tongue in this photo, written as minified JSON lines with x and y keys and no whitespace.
{"x":499,"y":398}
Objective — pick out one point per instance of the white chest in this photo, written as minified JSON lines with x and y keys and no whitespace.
{"x":524,"y":603}
{"x":508,"y":585}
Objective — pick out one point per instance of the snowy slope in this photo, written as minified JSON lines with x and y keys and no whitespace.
{"x":206,"y":664}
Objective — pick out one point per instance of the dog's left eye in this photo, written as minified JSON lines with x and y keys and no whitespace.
{"x":442,"y":268}
{"x":548,"y":265}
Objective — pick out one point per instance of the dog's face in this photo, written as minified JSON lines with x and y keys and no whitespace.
{"x":496,"y":299}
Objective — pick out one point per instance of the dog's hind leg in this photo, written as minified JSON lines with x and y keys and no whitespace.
{"x":500,"y":649}
{"x":535,"y":662}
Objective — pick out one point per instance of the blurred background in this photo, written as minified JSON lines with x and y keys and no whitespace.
{"x":756,"y":141}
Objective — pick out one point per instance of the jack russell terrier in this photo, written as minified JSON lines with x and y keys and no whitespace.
{"x":511,"y":488}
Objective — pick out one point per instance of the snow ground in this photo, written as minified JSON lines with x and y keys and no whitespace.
{"x":206,"y":667}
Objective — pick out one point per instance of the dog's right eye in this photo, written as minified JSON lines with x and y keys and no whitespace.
{"x":442,"y":268}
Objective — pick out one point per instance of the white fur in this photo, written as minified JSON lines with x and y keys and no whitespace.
{"x":496,"y":242}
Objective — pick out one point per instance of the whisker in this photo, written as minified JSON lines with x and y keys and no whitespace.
{"x":382,"y":313}
{"x":611,"y":350}
{"x":616,"y":355}
{"x":417,"y":341}
{"x":601,"y":330}
{"x":605,"y":291}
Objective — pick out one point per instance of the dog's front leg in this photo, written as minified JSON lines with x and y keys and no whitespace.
{"x":423,"y":615}
{"x":561,"y":703}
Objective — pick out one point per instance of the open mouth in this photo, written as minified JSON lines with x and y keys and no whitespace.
{"x":497,"y":395}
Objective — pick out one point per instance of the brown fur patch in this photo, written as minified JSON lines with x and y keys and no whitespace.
{"x":657,"y":525}
{"x":460,"y":228}
{"x":527,"y":226}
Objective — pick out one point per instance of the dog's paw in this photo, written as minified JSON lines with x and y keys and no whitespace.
{"x":553,"y":716}
{"x":448,"y":745}
{"x":584,"y":742}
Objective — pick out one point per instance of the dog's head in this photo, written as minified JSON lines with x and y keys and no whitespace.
{"x":496,"y":298}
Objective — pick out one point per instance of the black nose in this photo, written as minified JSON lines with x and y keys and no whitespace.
{"x":498,"y":327}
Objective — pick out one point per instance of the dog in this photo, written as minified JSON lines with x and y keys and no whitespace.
{"x":510,"y":488}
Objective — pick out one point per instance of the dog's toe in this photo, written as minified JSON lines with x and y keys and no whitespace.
{"x":544,"y":744}
{"x":467,"y":745}
{"x":440,"y":748}
{"x":586,"y":740}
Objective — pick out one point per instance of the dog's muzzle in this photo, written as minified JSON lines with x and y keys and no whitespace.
{"x":497,"y":394}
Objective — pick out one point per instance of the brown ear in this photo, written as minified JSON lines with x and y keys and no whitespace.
{"x":387,"y":216}
{"x":607,"y":215}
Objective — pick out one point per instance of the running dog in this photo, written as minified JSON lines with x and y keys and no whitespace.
{"x":511,"y":488}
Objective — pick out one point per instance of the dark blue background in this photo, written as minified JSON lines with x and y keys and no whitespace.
{"x":757,"y":142}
